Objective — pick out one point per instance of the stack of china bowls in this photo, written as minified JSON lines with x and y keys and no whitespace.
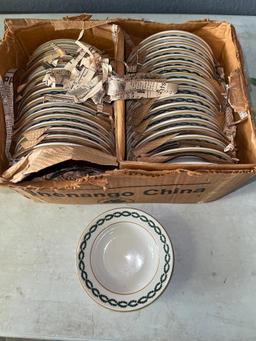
{"x":188,"y":124}
{"x":66,"y":124}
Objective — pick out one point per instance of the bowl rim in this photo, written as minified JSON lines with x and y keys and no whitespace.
{"x":143,"y":305}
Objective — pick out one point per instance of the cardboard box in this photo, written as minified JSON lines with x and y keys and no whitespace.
{"x":137,"y":181}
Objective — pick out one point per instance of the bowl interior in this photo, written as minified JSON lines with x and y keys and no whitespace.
{"x":124,"y":257}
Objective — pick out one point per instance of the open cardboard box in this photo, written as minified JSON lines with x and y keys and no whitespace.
{"x":136,"y":181}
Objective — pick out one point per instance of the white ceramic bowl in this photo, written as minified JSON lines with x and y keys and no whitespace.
{"x":125,"y":259}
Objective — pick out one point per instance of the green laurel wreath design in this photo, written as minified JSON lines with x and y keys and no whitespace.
{"x":111,"y":301}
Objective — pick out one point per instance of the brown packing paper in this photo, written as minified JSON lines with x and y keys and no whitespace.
{"x":44,"y":157}
{"x":33,"y":137}
{"x":136,"y":115}
{"x":152,"y":145}
{"x":141,"y":127}
{"x":101,"y":181}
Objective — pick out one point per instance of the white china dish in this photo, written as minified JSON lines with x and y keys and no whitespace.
{"x":125,"y":259}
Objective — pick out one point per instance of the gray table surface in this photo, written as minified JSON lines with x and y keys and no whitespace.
{"x":212,"y":293}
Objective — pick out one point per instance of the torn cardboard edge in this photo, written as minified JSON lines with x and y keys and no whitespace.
{"x":131,"y":168}
{"x":93,"y":180}
{"x":133,"y":165}
{"x":44,"y":157}
{"x":104,"y":181}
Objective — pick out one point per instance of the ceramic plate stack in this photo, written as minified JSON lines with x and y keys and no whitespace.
{"x":188,"y":124}
{"x":67,"y":123}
